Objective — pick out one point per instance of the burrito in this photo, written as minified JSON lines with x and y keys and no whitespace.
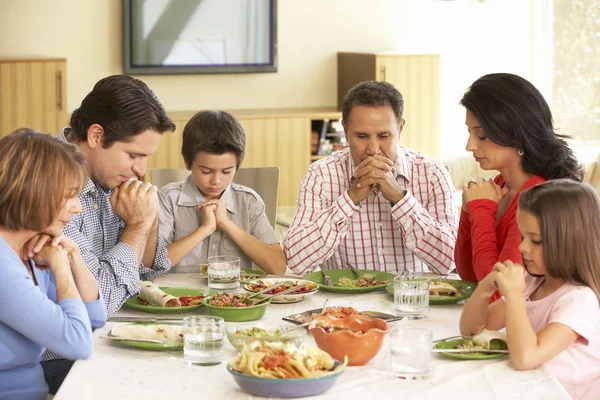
{"x":152,"y":294}
{"x":494,"y":340}
{"x":442,"y":288}
{"x":169,"y":334}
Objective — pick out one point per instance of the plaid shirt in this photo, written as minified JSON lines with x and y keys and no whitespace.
{"x":97,"y":230}
{"x":416,"y":234}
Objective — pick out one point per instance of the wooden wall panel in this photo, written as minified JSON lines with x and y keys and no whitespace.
{"x":418,"y":79}
{"x":33,"y":94}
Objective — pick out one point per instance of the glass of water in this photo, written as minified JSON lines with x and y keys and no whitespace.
{"x":203,"y":340}
{"x":411,"y":297}
{"x":224,"y":272}
{"x":411,"y":352}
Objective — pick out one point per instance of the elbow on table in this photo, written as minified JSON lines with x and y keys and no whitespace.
{"x":523,"y":362}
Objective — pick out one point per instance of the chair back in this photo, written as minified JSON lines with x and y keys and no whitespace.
{"x":263,"y":180}
{"x":163,"y":176}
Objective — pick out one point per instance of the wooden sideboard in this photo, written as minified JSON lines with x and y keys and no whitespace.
{"x":33,"y":93}
{"x":274,"y":138}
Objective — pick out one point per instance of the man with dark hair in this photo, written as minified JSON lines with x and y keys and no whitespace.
{"x":119,"y":124}
{"x":375,"y":205}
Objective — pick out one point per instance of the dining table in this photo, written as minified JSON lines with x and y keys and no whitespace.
{"x":118,"y":372}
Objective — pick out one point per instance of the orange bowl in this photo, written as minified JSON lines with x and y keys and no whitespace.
{"x":359,"y":348}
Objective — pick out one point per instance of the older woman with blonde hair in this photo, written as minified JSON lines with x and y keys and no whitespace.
{"x":50,"y":301}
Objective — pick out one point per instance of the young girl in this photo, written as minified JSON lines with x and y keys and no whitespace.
{"x":552,"y":314}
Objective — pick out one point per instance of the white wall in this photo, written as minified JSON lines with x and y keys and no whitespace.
{"x":474,"y":37}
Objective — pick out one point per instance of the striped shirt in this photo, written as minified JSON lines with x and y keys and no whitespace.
{"x":416,"y":234}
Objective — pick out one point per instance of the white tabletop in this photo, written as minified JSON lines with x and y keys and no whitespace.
{"x":116,"y":372}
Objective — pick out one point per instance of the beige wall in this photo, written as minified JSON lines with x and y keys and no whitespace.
{"x":473,"y":37}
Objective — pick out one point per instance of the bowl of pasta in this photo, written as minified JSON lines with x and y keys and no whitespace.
{"x":276,"y":369}
{"x":246,"y":333}
{"x":357,"y":337}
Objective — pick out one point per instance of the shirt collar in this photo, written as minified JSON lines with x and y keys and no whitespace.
{"x":190,"y":195}
{"x":400,"y":163}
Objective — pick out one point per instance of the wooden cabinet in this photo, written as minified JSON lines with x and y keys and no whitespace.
{"x":33,"y":93}
{"x":274,"y":138}
{"x":417,"y":77}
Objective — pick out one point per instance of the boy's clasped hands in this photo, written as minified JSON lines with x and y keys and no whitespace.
{"x":213,"y":214}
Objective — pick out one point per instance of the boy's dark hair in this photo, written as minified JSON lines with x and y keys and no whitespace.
{"x":513,"y":113}
{"x":569,"y":216}
{"x":216,"y":132}
{"x":124,"y":107}
{"x":373,"y":94}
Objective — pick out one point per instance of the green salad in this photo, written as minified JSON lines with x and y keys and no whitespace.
{"x":258,"y":332}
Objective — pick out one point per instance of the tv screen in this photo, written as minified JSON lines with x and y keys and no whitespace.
{"x":199,"y":36}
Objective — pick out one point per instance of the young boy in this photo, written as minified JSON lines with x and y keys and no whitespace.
{"x":207,"y":214}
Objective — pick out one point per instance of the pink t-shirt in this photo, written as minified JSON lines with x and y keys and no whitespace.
{"x":577,"y":367}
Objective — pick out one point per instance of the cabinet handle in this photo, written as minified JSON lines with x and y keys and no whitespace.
{"x":383,"y":73}
{"x":59,"y":94}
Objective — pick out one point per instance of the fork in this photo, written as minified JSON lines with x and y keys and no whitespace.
{"x":353,"y":270}
{"x":328,"y":280}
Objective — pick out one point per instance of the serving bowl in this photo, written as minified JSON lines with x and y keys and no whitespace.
{"x":284,"y":388}
{"x":360,"y":348}
{"x":295,"y":336}
{"x":237,"y":314}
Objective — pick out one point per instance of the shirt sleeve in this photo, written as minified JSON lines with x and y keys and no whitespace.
{"x":116,"y":270}
{"x":161,"y":263}
{"x":463,"y":252}
{"x":96,"y":309}
{"x":260,"y":227}
{"x":579,"y":310}
{"x":429,"y":230}
{"x":317,"y":227}
{"x":484,"y":241}
{"x":166,"y":218}
{"x":63,"y":328}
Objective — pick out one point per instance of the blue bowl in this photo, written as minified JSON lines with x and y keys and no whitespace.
{"x":287,"y":388}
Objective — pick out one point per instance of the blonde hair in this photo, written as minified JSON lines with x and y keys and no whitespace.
{"x":569,"y":216}
{"x":37,"y":173}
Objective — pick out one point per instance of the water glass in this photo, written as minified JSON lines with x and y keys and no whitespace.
{"x":411,"y":297}
{"x":224,"y":272}
{"x":411,"y":352}
{"x":203,"y":340}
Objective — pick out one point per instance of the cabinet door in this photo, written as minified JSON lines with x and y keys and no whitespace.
{"x":418,"y":79}
{"x":33,"y":94}
{"x":283,"y":143}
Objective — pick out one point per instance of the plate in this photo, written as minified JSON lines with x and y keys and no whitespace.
{"x":245,"y":274}
{"x":306,"y":316}
{"x":177,"y":292}
{"x":286,"y":388}
{"x":149,"y":346}
{"x":295,"y":336}
{"x":452,"y":344}
{"x":466,"y":289}
{"x":336,"y":274}
{"x":286,"y":298}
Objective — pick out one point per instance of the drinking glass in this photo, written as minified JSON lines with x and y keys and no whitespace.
{"x":224,"y":272}
{"x":411,"y":297}
{"x":203,"y":340}
{"x":411,"y":352}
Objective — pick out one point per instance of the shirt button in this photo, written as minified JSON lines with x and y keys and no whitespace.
{"x":213,"y":247}
{"x":380,"y":224}
{"x":92,"y":190}
{"x":94,"y":206}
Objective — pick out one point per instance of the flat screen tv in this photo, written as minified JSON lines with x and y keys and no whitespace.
{"x":199,"y":36}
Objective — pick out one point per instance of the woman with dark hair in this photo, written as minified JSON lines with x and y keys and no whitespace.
{"x":511,"y":131}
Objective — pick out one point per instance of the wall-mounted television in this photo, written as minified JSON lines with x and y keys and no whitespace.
{"x":199,"y":36}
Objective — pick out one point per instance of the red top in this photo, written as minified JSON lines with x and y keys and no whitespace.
{"x":480,"y":243}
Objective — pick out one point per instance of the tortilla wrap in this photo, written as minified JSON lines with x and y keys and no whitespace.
{"x":156,"y":297}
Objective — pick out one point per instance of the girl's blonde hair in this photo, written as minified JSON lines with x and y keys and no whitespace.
{"x":37,"y":173}
{"x":569,"y":216}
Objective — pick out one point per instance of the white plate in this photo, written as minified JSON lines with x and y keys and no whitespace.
{"x":286,"y":298}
